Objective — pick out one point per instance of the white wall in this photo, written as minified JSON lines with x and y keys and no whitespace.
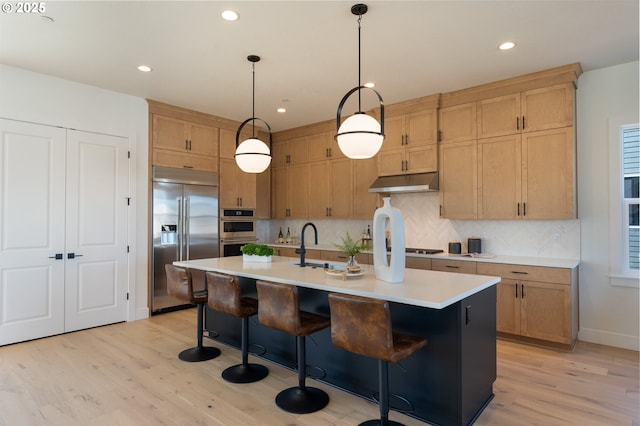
{"x":43,"y":99}
{"x":608,"y":313}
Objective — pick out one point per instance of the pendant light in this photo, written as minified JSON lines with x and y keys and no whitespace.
{"x":360,"y":136}
{"x":253,"y":155}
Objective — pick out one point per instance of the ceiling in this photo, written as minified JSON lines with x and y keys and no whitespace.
{"x":309,"y":49}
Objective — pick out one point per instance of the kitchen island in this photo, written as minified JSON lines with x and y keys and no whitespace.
{"x":448,"y":382}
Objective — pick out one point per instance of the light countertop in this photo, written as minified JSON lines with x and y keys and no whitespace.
{"x":430,"y":289}
{"x":550,"y":262}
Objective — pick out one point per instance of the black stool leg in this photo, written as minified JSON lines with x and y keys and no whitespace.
{"x":200,"y":352}
{"x":383,"y":386}
{"x":245,"y":372}
{"x":302,"y":399}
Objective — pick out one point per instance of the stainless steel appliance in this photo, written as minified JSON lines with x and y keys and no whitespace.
{"x":185,"y":226}
{"x":237,"y":228}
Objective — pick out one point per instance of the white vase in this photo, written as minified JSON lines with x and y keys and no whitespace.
{"x":391,"y":271}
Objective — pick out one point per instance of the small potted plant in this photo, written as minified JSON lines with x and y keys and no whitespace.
{"x":256,"y":252}
{"x":352,"y":248}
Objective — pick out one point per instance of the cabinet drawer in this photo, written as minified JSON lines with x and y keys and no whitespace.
{"x":183,"y":160}
{"x":526,"y":272}
{"x":418,"y":263}
{"x":459,"y":266}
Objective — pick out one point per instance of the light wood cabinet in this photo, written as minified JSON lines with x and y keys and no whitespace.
{"x":458,"y":266}
{"x":410,"y":144}
{"x":237,"y":188}
{"x":458,"y":180}
{"x":321,"y":147}
{"x":183,"y":136}
{"x":365,"y":202}
{"x":162,"y":157}
{"x":500,"y":177}
{"x":290,"y":192}
{"x":457,"y":123}
{"x":535,"y":302}
{"x":418,"y":263}
{"x":330,"y":189}
{"x":290,"y":152}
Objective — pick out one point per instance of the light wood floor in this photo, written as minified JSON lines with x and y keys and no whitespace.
{"x":129,"y":374}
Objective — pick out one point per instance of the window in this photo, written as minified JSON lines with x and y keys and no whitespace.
{"x":631,"y":198}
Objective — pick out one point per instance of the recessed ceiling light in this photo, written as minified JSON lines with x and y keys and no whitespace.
{"x":370,"y":85}
{"x":145,"y":68}
{"x":230,"y":15}
{"x":281,"y":110}
{"x":507,"y":45}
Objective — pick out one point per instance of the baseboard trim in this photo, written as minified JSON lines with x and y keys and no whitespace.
{"x":141,"y":313}
{"x":617,"y":340}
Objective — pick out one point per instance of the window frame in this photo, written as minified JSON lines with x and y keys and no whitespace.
{"x":620,"y":274}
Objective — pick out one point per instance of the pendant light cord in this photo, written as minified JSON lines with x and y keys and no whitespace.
{"x":253,"y":105}
{"x":359,"y":85}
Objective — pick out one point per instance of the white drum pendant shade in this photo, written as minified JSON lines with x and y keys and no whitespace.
{"x":253,"y":156}
{"x":365,"y":141}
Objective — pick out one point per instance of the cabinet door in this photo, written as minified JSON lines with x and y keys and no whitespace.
{"x":458,"y":180}
{"x":318,"y":190}
{"x":499,"y":116}
{"x":499,"y":177}
{"x":391,"y":163}
{"x":164,"y":157}
{"x":298,"y":194}
{"x":203,"y":139}
{"x":170,"y":133}
{"x":548,"y":108}
{"x":227,"y":143}
{"x":459,"y":266}
{"x":546,"y":311}
{"x":318,"y":146}
{"x":548,"y":174}
{"x":298,"y":151}
{"x":508,"y":306}
{"x":279,"y":199}
{"x":279,"y":153}
{"x":458,"y":123}
{"x":421,"y":159}
{"x":246,"y":189}
{"x":393,"y":133}
{"x":340,"y":180}
{"x":228,"y":184}
{"x":421,"y":128}
{"x":365,"y":202}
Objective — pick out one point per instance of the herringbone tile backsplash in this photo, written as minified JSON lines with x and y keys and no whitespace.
{"x":425,"y":229}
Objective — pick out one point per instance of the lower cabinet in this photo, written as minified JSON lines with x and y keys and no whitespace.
{"x":536,"y":302}
{"x":459,"y":266}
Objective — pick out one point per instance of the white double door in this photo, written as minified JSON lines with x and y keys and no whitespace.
{"x":63,"y":230}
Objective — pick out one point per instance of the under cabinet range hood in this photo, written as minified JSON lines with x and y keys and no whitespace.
{"x":419,"y":182}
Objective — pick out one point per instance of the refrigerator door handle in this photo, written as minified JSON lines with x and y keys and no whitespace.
{"x":187,"y":226}
{"x":179,"y":242}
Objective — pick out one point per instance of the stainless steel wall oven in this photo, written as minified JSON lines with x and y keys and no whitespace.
{"x":237,"y":228}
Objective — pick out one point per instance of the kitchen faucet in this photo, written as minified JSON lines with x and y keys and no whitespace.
{"x":303,"y":250}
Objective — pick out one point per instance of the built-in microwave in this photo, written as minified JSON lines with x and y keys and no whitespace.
{"x":231,"y":246}
{"x":237,"y":223}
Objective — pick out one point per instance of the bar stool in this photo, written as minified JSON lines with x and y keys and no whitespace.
{"x":180,"y":286}
{"x":278,"y":308}
{"x":363,"y":326}
{"x":225,"y":296}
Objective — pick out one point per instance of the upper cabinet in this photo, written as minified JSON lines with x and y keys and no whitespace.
{"x":182,"y":138}
{"x":290,"y":152}
{"x":411,"y":141}
{"x":237,"y":188}
{"x":524,"y":143}
{"x":529,"y":111}
{"x":322,"y":146}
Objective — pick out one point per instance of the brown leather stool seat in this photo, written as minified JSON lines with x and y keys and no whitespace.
{"x":363,"y":326}
{"x":279,"y":309}
{"x":225,"y":296}
{"x":180,"y":286}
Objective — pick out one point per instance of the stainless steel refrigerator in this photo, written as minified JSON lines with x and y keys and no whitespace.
{"x":185,"y":226}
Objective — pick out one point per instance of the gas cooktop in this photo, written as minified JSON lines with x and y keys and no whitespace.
{"x":422,"y":251}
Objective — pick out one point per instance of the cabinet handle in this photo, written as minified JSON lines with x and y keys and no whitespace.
{"x":330,"y":152}
{"x":518,"y":209}
{"x":523,"y":122}
{"x":240,"y":198}
{"x":452,"y":266}
{"x":186,"y":144}
{"x":516,"y":290}
{"x":406,"y":165}
{"x":402,"y":165}
{"x":517,"y":123}
{"x":401,"y":139}
{"x":524,"y":209}
{"x":522,"y":290}
{"x":58,"y":256}
{"x":440,"y":210}
{"x":406,"y":139}
{"x":519,"y":272}
{"x":189,"y":144}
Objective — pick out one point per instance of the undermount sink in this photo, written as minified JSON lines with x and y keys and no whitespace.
{"x":319,"y":265}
